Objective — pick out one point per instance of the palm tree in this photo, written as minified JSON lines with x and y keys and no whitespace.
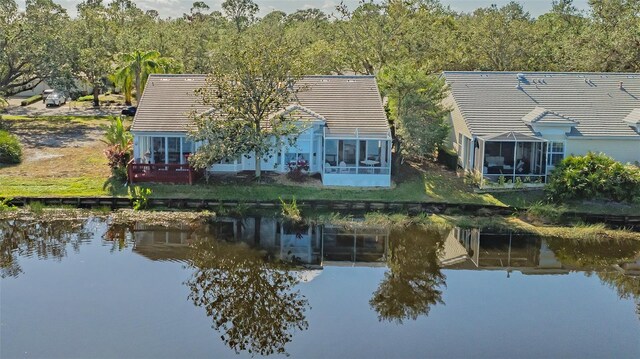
{"x":137,"y":66}
{"x":124,"y":80}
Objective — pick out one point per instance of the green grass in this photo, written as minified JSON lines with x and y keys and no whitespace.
{"x":51,"y":187}
{"x":425,"y":188}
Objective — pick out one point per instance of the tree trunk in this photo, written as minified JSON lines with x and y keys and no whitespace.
{"x":96,"y":96}
{"x":138,"y":94}
{"x":258,"y":168}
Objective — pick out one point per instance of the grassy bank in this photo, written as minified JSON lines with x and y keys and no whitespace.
{"x":63,"y":157}
{"x":577,"y":231}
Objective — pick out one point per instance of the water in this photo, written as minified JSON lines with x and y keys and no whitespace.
{"x":85,"y":288}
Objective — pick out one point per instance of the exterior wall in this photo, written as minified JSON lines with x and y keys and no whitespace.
{"x":80,"y":85}
{"x":460,"y":136}
{"x":456,"y":120}
{"x":353,"y":180}
{"x":620,"y":150}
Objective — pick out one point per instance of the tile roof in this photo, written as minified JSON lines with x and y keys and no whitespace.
{"x":498,"y":102}
{"x":346,"y":103}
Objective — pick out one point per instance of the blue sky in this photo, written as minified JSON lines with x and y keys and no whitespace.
{"x":175,"y":8}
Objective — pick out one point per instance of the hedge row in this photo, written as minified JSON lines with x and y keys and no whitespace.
{"x":30,"y":100}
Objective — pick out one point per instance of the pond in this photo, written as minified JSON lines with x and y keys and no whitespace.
{"x":257,"y":286}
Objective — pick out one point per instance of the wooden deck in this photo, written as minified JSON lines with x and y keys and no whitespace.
{"x":161,"y":173}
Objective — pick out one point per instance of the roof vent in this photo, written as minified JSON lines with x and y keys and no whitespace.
{"x":521,"y":77}
{"x":351,"y":80}
{"x":324,"y":80}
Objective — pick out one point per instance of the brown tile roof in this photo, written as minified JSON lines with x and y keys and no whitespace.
{"x":345,"y":102}
{"x":493,"y":103}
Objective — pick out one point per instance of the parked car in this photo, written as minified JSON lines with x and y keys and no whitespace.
{"x":56,"y":99}
{"x":46,"y":93}
{"x":129,"y":111}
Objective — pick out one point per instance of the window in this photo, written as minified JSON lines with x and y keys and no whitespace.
{"x":347,"y":152}
{"x":555,"y":153}
{"x":331,"y":152}
{"x":174,"y":149}
{"x":158,"y":152}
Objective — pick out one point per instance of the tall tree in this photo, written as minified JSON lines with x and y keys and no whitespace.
{"x":95,"y":48}
{"x":418,"y":123}
{"x":32,"y":46}
{"x":248,"y":98}
{"x":240,"y":12}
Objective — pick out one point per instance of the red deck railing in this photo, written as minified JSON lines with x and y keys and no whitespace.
{"x":161,"y":172}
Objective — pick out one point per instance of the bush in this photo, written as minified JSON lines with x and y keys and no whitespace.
{"x":298,"y":171}
{"x":10,"y":148}
{"x":30,"y":100}
{"x":448,"y":158}
{"x":594,"y":176}
{"x":85,"y":98}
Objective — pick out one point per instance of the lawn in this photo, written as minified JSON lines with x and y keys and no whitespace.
{"x":62,"y":156}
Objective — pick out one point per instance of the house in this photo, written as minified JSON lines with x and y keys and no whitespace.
{"x":346,"y":136}
{"x":508,"y":126}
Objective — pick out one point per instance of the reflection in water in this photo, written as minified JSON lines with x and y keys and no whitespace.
{"x":250,"y":300}
{"x":242,"y":274}
{"x":412,"y":284}
{"x":44,"y":238}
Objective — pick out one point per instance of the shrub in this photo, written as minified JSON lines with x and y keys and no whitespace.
{"x":448,"y":157}
{"x":30,"y":100}
{"x":118,"y":159}
{"x":85,"y":98}
{"x":119,"y":151}
{"x":10,"y":148}
{"x":298,"y":171}
{"x":291,"y":210}
{"x":593,"y":176}
{"x":140,"y":197}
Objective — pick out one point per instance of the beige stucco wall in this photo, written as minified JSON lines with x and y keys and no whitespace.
{"x":456,"y":121}
{"x":620,"y":150}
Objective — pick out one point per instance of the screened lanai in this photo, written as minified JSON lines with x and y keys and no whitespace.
{"x":510,"y":156}
{"x":357,"y":157}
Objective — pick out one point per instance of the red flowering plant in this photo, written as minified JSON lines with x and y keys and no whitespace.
{"x":298,"y":169}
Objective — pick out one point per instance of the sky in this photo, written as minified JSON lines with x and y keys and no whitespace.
{"x":175,"y":8}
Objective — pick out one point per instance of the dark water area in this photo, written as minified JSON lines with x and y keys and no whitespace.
{"x":257,"y":286}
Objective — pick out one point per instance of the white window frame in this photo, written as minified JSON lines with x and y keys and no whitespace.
{"x":550,"y":153}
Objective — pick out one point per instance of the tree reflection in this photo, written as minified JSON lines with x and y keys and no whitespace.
{"x":586,"y":254}
{"x":44,"y":237}
{"x":412,"y":284}
{"x":250,"y":300}
{"x":626,"y":286}
{"x":600,"y":256}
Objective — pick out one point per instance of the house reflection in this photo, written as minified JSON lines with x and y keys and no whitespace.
{"x":317,"y":246}
{"x":304,"y":244}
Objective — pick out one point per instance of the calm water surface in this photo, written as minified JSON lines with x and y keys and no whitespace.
{"x":237,"y":288}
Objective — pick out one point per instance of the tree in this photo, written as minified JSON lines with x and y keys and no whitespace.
{"x":251,"y":301}
{"x":412,"y":284}
{"x":240,"y":12}
{"x":95,"y":48}
{"x":248,"y":98}
{"x":418,"y":123}
{"x":134,"y":68}
{"x":32,"y":47}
